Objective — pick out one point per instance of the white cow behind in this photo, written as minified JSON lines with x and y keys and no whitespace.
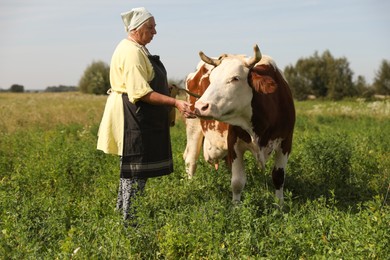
{"x":212,"y":134}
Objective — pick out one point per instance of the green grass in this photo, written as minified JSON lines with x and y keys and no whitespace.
{"x":58,"y":194}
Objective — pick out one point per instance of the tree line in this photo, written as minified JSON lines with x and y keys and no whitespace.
{"x":17,"y":88}
{"x":318,"y":76}
{"x":324,"y":76}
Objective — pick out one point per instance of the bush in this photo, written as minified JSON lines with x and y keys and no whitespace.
{"x":16,"y":88}
{"x":96,"y":78}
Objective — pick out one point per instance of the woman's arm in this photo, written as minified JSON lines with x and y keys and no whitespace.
{"x":156,"y":98}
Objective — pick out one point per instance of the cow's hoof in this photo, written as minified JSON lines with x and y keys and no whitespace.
{"x":236,"y":203}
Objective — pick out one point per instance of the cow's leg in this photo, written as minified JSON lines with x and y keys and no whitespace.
{"x":194,"y":144}
{"x":278,"y":173}
{"x":238,"y":174}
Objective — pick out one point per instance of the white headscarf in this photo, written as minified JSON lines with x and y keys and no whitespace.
{"x":135,"y":18}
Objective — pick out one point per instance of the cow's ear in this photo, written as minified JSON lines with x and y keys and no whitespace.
{"x":262,"y":81}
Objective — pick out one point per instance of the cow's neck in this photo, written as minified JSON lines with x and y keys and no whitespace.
{"x":245,"y":122}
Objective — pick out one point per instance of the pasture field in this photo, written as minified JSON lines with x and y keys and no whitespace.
{"x":58,"y":193}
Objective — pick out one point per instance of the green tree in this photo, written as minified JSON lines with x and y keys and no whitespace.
{"x":362,"y":87}
{"x":382,"y":79}
{"x":96,"y":79}
{"x":339,"y":78}
{"x":16,"y":88}
{"x":299,"y":85}
{"x":322,"y":76}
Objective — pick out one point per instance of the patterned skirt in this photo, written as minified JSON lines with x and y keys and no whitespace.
{"x":128,"y":190}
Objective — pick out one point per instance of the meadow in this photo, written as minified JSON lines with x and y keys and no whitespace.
{"x":58,"y":193}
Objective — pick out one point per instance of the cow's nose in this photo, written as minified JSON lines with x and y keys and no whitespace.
{"x":204,"y":106}
{"x":201,"y":107}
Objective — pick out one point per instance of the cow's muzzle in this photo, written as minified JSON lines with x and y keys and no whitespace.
{"x":202,"y":110}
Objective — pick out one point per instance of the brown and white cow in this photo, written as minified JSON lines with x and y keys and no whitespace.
{"x":212,"y":133}
{"x":255,"y":99}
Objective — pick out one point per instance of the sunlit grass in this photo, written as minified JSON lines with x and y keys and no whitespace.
{"x":20,"y":111}
{"x":351,"y":109}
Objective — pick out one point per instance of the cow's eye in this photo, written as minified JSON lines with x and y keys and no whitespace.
{"x":233,"y":79}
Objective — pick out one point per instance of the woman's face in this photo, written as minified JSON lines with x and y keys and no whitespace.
{"x":146,"y":32}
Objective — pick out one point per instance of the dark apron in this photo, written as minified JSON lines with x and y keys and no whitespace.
{"x":147,"y":146}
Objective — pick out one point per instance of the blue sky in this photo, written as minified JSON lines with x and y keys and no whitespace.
{"x":51,"y":42}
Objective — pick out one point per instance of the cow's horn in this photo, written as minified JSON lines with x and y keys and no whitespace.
{"x":208,"y":60}
{"x":252,"y":62}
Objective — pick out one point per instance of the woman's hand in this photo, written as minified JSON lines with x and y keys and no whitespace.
{"x":185,"y":108}
{"x":156,"y":98}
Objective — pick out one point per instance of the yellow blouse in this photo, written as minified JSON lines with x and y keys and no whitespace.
{"x":130,"y":72}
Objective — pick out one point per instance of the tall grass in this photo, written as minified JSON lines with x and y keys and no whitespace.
{"x":48,"y":110}
{"x":57,"y":193}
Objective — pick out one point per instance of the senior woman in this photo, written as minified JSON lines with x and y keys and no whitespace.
{"x":135,"y":123}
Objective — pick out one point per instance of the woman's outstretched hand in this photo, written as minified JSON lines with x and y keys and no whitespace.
{"x":185,"y":108}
